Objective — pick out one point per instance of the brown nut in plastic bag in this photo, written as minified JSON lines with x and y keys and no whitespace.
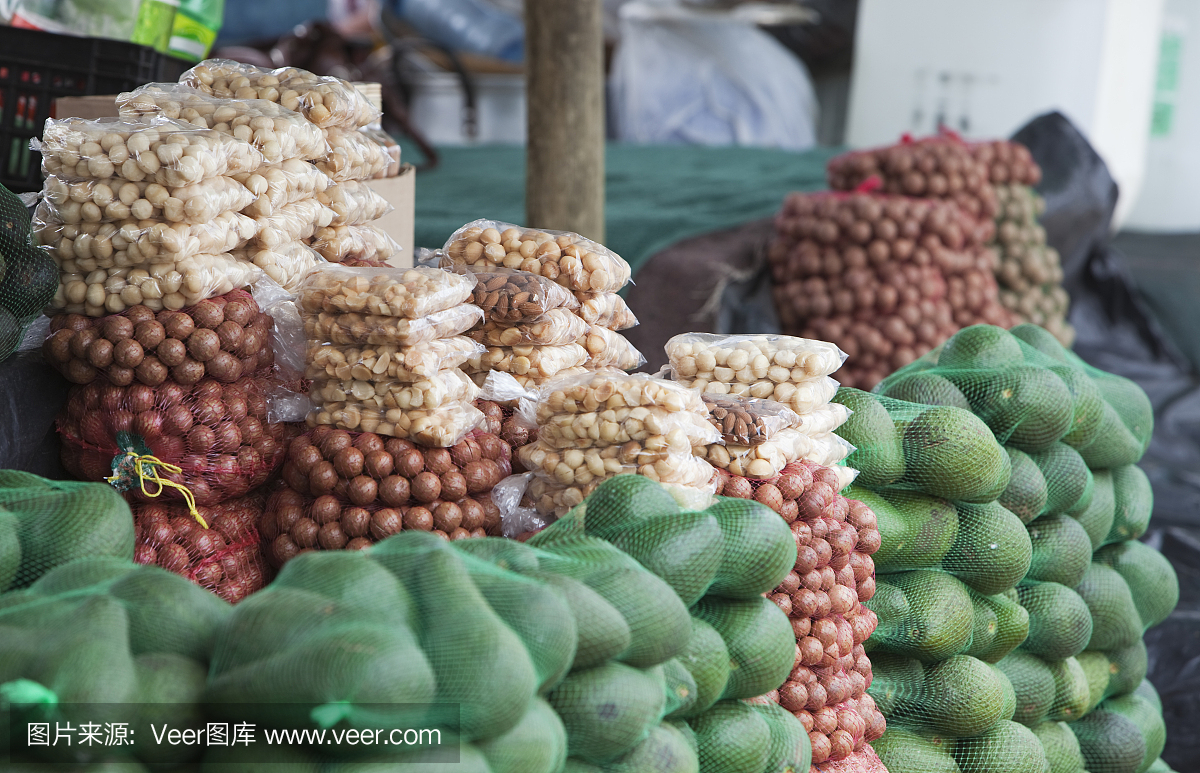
{"x":353,"y":155}
{"x":355,"y":328}
{"x":277,"y":185}
{"x":606,"y":310}
{"x":607,"y":349}
{"x":509,"y":296}
{"x":341,"y":243}
{"x":287,"y":264}
{"x":387,"y":292}
{"x":748,"y":421}
{"x":554,"y":328}
{"x":277,"y":132}
{"x":387,"y":362}
{"x":85,"y":247}
{"x":448,"y":386}
{"x":569,"y":259}
{"x":354,"y":202}
{"x":114,"y":200}
{"x":528,"y":360}
{"x":170,"y":153}
{"x":440,"y":427}
{"x":323,"y":100}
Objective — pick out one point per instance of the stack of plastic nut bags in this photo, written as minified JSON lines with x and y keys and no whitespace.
{"x":384,"y":350}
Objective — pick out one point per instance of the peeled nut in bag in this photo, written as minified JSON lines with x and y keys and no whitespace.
{"x":761,"y":461}
{"x":344,"y":243}
{"x":353,"y":155}
{"x":528,"y":359}
{"x":569,"y":259}
{"x":388,"y":362}
{"x":276,"y":185}
{"x":116,"y":200}
{"x":613,"y":390}
{"x":441,"y":427}
{"x":606,"y":310}
{"x":287,"y":264}
{"x":554,"y":328}
{"x":298,"y":220}
{"x":654,"y":428}
{"x":823,"y":420}
{"x":529,"y":381}
{"x":386,"y":292}
{"x":580,"y":467}
{"x":607,"y":349}
{"x":449,"y":386}
{"x":278,"y":133}
{"x":749,"y":358}
{"x":803,"y":397}
{"x":511,"y":296}
{"x":157,"y":286}
{"x":325,"y":101}
{"x":356,"y":328}
{"x":170,"y":153}
{"x":354,"y":203}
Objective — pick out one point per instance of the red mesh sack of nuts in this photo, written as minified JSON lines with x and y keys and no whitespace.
{"x":222,"y":554}
{"x":224,"y":338}
{"x":823,"y":597}
{"x":345,"y":490}
{"x":886,"y":278}
{"x":210,"y":438}
{"x":503,"y":422}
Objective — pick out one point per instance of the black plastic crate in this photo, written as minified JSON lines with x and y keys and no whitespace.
{"x":37,"y":67}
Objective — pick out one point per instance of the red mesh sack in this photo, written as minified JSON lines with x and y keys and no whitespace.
{"x":225,"y":338}
{"x":224,"y":558}
{"x":212,"y":438}
{"x":503,"y":421}
{"x":347,"y":490}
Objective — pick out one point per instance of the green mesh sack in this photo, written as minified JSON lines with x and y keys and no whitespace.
{"x":1032,"y":393}
{"x":28,"y":277}
{"x":1060,"y":746}
{"x":45,"y":523}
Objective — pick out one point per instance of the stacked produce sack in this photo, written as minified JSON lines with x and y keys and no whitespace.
{"x":768,"y":396}
{"x":884,"y":277}
{"x":568,"y":335}
{"x":28,"y":278}
{"x":824,"y":597}
{"x":597,"y":425}
{"x":1072,"y":436}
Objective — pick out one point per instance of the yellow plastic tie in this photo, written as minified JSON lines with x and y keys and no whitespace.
{"x":147,"y":467}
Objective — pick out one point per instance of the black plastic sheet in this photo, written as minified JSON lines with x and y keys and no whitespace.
{"x":31,"y":395}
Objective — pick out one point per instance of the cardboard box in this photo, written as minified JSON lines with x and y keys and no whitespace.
{"x":400,"y":191}
{"x":104,"y":106}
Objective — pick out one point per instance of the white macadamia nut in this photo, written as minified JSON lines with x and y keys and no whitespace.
{"x":359,"y":328}
{"x":749,"y":358}
{"x":113,"y":200}
{"x":339,"y":243}
{"x":353,"y":155}
{"x":609,"y":349}
{"x":553,"y":328}
{"x":529,"y":381}
{"x":388,"y":363}
{"x":441,"y":389}
{"x":386,"y":292}
{"x":276,"y":185}
{"x":354,"y":202}
{"x":613,"y":389}
{"x":581,"y":467}
{"x":676,"y":431}
{"x":440,"y":427}
{"x":291,"y":222}
{"x":528,"y":360}
{"x":288,"y":264}
{"x":606,"y":310}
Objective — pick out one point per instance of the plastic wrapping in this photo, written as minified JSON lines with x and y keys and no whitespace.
{"x":170,"y":153}
{"x":606,"y":310}
{"x":607,"y":349}
{"x":225,"y":338}
{"x":278,"y":133}
{"x":653,"y":428}
{"x":291,"y":222}
{"x":828,"y":450}
{"x":390,"y":146}
{"x":569,"y":259}
{"x":528,"y":382}
{"x":325,"y":101}
{"x":802,"y":398}
{"x":400,"y":331}
{"x":750,"y":421}
{"x":288,"y":264}
{"x":749,"y":358}
{"x":433,"y":392}
{"x":501,"y":388}
{"x":386,"y":362}
{"x":115,"y":200}
{"x":548,"y":497}
{"x":354,"y":203}
{"x":386,"y":292}
{"x":277,"y":185}
{"x":827,"y":418}
{"x":516,"y":519}
{"x":762,"y":461}
{"x":441,"y":427}
{"x":509,"y":296}
{"x":158,"y":286}
{"x":353,"y":155}
{"x":580,"y":467}
{"x":84,"y":247}
{"x":342,"y":243}
{"x":614,"y":389}
{"x":554,"y":328}
{"x":529,"y":360}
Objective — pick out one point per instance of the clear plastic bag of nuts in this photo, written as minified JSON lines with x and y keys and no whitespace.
{"x":278,"y":133}
{"x":607,"y":349}
{"x":323,"y":100}
{"x":554,"y":328}
{"x":287,"y":264}
{"x":277,"y":185}
{"x":388,"y":362}
{"x":580,"y":467}
{"x":750,"y":358}
{"x":158,"y":286}
{"x":761,"y":461}
{"x":527,"y":381}
{"x":528,"y":360}
{"x":827,"y":450}
{"x":386,"y":292}
{"x":802,"y":397}
{"x":135,"y":242}
{"x":748,"y":421}
{"x":291,"y":222}
{"x":575,"y":262}
{"x":615,"y":389}
{"x":606,"y":310}
{"x":655,"y":428}
{"x":823,"y":420}
{"x":353,"y":155}
{"x":354,"y":202}
{"x":441,"y":427}
{"x":354,"y":328}
{"x":156,"y":149}
{"x":115,"y":200}
{"x":341,"y":243}
{"x":436,"y":391}
{"x":510,"y":296}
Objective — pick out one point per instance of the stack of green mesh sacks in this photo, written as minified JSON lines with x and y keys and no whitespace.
{"x":1071,"y":436}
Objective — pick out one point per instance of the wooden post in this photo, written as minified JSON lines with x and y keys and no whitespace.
{"x":564,"y":71}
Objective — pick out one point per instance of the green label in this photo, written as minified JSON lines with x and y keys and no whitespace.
{"x":1166,"y":86}
{"x":191,"y":39}
{"x":154,"y":20}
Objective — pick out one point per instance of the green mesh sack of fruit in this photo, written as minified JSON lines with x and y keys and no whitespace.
{"x":28,"y":277}
{"x":103,"y":640}
{"x":1033,"y":394}
{"x":45,"y":523}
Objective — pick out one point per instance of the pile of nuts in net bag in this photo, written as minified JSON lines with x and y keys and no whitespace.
{"x":884,"y":277}
{"x":595,"y":425}
{"x":550,"y":300}
{"x":384,"y":350}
